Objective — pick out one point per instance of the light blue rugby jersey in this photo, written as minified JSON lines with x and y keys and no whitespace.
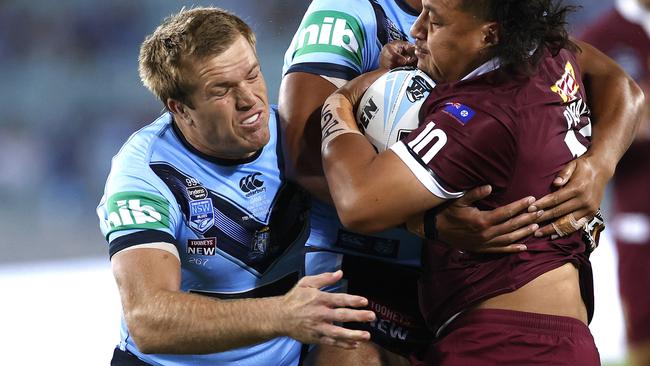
{"x":239,"y":227}
{"x":343,"y":39}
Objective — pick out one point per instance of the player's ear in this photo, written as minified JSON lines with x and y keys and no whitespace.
{"x":180,"y":111}
{"x":490,"y":33}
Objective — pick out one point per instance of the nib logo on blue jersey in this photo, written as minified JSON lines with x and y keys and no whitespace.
{"x":251,"y":185}
{"x":201,"y":215}
{"x":460,"y":112}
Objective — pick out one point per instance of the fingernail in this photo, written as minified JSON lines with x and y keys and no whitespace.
{"x":553,"y":237}
{"x":523,"y":248}
{"x":530,"y":200}
{"x":534,"y":227}
{"x":538,"y":234}
{"x":540,"y":213}
{"x":532,"y":208}
{"x":558,"y":180}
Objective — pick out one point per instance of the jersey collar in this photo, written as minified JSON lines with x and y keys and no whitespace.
{"x":490,"y":65}
{"x":406,"y":7}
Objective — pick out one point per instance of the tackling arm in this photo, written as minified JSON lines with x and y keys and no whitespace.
{"x":371,"y":191}
{"x":162,"y":319}
{"x":616,"y":103}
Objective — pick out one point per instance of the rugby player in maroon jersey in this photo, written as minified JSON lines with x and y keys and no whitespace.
{"x":511,"y":104}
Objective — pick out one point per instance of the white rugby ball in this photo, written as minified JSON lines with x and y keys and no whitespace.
{"x":388,"y":110}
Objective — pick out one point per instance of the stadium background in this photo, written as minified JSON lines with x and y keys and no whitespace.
{"x":70,"y":95}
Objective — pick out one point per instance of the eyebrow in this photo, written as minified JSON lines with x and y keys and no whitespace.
{"x":228,"y":83}
{"x":431,"y":9}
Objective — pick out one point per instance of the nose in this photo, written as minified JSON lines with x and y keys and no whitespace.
{"x":245,"y":97}
{"x":418,"y":29}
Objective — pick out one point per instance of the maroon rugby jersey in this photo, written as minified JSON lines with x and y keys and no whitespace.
{"x":514,"y":133}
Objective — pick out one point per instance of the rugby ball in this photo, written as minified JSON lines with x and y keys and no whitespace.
{"x":388,"y":110}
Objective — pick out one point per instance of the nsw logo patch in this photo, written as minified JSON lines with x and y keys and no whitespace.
{"x":201,"y":215}
{"x":460,"y":112}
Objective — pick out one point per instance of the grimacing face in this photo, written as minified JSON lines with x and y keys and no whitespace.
{"x":230,"y":114}
{"x":450,"y":43}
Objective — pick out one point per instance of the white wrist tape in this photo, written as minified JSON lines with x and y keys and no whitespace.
{"x":335,"y":118}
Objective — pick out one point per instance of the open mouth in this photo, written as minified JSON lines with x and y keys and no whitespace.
{"x":252,"y":119}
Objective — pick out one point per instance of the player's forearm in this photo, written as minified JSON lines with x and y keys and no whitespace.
{"x":616,"y":102}
{"x":181,"y":323}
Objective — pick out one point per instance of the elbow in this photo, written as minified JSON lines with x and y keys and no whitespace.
{"x":144,"y":332}
{"x":355,"y":216}
{"x":639,"y":103}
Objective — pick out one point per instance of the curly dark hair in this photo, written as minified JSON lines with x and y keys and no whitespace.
{"x":527,"y":28}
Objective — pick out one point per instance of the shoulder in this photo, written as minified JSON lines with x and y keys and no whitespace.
{"x":130,"y":167}
{"x":137,"y":150}
{"x":361,"y":10}
{"x":335,"y":38}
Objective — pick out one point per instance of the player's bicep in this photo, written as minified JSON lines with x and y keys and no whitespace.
{"x":300,"y":101}
{"x":374,"y":191}
{"x":139,"y":272}
{"x":594,"y":63}
{"x":403,"y":191}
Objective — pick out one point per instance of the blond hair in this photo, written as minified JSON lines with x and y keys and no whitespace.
{"x":184,"y":38}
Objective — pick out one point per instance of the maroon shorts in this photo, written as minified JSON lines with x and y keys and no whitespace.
{"x":503,"y":337}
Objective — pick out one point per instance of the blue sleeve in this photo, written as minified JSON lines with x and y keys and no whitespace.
{"x":137,"y":208}
{"x":335,"y":38}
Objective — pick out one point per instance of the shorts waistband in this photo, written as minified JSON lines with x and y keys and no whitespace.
{"x":541,"y":323}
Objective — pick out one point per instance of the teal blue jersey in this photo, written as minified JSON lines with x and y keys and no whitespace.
{"x":239,"y":226}
{"x":342,"y":40}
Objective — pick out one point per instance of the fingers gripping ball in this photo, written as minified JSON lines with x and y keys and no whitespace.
{"x":388,"y":110}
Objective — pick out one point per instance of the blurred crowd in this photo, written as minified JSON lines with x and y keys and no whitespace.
{"x":70,"y":95}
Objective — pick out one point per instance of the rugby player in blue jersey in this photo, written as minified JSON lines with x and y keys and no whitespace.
{"x":338,"y":41}
{"x":205,"y":233}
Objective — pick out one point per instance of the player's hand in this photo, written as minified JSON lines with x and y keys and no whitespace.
{"x":582,"y":186}
{"x":397,"y":54}
{"x":353,"y":90}
{"x":309,"y":313}
{"x":463,"y":226}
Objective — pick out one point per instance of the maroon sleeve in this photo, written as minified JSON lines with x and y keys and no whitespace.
{"x":460,"y":147}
